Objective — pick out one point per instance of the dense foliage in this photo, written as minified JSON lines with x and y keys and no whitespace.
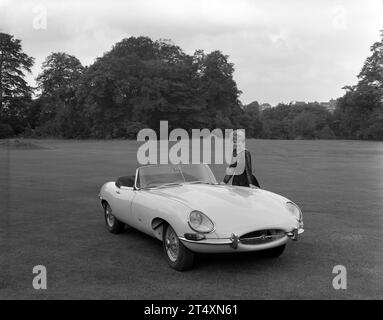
{"x":360,"y":111}
{"x":15,"y":93}
{"x":140,"y":82}
{"x":306,"y":121}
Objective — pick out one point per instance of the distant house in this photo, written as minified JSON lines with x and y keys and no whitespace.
{"x":329,"y":105}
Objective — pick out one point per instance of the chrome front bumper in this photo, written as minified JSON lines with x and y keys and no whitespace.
{"x":235,"y":239}
{"x":240,"y":245}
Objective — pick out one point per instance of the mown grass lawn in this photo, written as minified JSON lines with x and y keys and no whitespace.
{"x":50,"y":215}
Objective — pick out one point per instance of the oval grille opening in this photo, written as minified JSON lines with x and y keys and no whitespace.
{"x":262,"y":236}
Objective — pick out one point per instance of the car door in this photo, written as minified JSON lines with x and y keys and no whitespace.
{"x":144,"y":209}
{"x":122,"y":206}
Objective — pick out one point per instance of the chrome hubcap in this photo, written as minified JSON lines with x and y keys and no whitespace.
{"x":109,"y":216}
{"x":171,"y":244}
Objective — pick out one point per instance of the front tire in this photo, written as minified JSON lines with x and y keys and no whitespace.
{"x":112,"y":224}
{"x":274,"y":252}
{"x":178,"y":256}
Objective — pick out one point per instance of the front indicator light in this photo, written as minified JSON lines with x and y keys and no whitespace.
{"x":194,"y":236}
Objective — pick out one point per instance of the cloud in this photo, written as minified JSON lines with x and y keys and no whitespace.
{"x":282,"y":50}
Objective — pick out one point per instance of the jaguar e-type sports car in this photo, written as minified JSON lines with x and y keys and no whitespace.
{"x":185,"y":208}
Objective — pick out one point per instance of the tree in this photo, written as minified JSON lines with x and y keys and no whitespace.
{"x":138,"y":83}
{"x":218,"y":86}
{"x":274,"y":122}
{"x":372,"y":70}
{"x":59,"y":112}
{"x":358,"y":113}
{"x":305,"y":125}
{"x":13,"y":65}
{"x":303,"y":121}
{"x":141,"y":81}
{"x":15,"y":93}
{"x":6,"y":130}
{"x":60,"y":74}
{"x":250,"y":120}
{"x":121,"y":87}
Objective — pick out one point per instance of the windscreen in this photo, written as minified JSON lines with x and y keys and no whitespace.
{"x":161,"y":175}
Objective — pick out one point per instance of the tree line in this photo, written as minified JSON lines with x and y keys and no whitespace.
{"x":140,"y":82}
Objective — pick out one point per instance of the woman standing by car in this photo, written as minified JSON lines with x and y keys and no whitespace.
{"x":240,"y":168}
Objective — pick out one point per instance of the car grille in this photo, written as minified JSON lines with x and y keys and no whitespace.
{"x":262,"y":236}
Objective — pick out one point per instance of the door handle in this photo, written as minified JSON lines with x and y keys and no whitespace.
{"x":117,"y":191}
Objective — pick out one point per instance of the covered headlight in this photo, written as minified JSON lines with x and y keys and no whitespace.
{"x":294,"y":210}
{"x":200,"y":222}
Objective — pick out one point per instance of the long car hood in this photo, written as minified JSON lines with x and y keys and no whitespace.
{"x":234,"y":209}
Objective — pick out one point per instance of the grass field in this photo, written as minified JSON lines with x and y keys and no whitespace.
{"x":50,"y":215}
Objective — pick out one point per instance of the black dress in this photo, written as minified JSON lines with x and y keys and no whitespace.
{"x":246,"y":177}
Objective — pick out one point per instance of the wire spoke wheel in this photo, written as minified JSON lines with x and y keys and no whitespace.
{"x":109,"y":216}
{"x":172,"y":244}
{"x":112,"y":223}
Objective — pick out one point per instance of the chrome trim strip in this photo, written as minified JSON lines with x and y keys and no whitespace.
{"x":207,"y":243}
{"x":135,"y":180}
{"x":299,"y":209}
{"x":225,"y":242}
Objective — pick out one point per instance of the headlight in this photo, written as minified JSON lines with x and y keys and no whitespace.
{"x":200,"y":222}
{"x":295,"y":211}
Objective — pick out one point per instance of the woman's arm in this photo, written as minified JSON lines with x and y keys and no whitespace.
{"x":248,"y":167}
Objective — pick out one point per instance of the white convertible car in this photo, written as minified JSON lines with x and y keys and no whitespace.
{"x":185,"y":208}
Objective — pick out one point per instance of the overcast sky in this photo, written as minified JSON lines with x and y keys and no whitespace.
{"x":283,"y":50}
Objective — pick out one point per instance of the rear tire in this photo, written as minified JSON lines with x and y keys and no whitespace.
{"x":177,"y":255}
{"x":274,"y":252}
{"x":112,"y":224}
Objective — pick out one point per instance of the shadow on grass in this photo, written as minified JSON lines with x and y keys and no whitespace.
{"x":147,"y":243}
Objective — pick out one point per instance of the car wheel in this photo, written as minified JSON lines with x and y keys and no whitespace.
{"x":113,"y":225}
{"x":178,"y":256}
{"x":274,"y":252}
